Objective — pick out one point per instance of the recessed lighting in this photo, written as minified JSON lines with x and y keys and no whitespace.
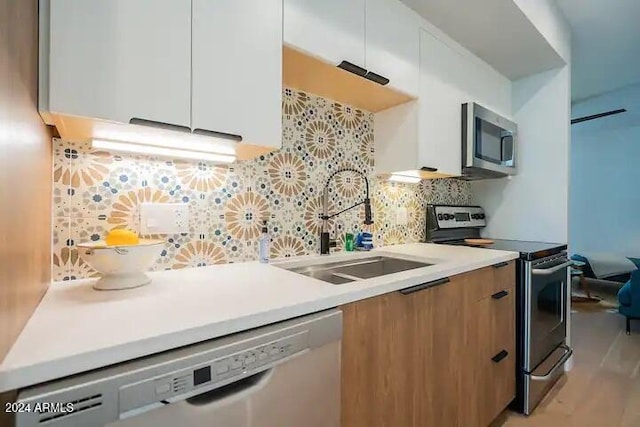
{"x":127,"y":147}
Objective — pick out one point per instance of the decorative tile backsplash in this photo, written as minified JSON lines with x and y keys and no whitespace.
{"x":96,"y":191}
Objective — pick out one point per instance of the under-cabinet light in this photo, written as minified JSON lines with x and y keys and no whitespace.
{"x":404,"y":178}
{"x":160,"y":138}
{"x":102,"y":144}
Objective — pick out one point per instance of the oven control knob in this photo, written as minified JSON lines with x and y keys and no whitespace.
{"x":440,"y":217}
{"x":481,"y":216}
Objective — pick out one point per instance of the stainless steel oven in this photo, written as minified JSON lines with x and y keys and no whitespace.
{"x":544,"y":325}
{"x":488,"y":143}
{"x":542,"y":298}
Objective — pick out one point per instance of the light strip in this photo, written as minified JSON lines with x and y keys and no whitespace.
{"x":177,"y":140}
{"x":126,"y":147}
{"x":404,"y":178}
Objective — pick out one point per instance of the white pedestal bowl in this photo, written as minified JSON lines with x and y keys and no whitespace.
{"x":121,"y":267}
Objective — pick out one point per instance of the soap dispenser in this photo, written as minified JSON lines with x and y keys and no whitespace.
{"x":264,"y":241}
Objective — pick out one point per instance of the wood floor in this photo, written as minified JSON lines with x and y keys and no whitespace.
{"x":603,"y":389}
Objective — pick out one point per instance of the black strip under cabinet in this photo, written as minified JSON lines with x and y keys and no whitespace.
{"x":359,"y":71}
{"x":377,"y":78}
{"x":352,"y":68}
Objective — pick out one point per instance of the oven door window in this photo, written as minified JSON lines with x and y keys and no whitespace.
{"x":493,"y":144}
{"x":548,"y":314}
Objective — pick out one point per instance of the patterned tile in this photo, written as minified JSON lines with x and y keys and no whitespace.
{"x":97,"y":191}
{"x":199,"y":252}
{"x":61,"y":180}
{"x":61,"y":246}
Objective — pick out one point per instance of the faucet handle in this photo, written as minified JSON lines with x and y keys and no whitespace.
{"x":326,"y":243}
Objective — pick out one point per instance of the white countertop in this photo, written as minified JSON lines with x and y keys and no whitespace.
{"x":76,"y":329}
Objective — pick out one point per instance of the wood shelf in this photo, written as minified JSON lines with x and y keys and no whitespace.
{"x":307,"y":73}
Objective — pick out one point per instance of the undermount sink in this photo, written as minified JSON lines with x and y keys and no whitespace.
{"x":342,"y":272}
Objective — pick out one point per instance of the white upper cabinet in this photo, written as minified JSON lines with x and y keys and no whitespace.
{"x":440,"y":127}
{"x":120,"y":60}
{"x":237,"y":69}
{"x":333,"y":30}
{"x":440,"y":112}
{"x":393,"y":44}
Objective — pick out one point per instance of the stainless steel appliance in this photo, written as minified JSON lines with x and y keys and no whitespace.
{"x":285,"y":375}
{"x":488,"y":143}
{"x":542,"y":298}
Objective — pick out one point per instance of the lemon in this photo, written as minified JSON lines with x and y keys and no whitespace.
{"x":121,"y":238}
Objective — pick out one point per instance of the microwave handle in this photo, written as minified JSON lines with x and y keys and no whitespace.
{"x":549,"y":271}
{"x":502,"y":139}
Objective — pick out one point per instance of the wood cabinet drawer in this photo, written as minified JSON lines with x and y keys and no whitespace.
{"x":501,"y":317}
{"x":488,"y":281}
{"x":499,"y":387}
{"x":504,"y":275}
{"x":500,"y":354}
{"x":490,"y":367}
{"x":434,"y":356}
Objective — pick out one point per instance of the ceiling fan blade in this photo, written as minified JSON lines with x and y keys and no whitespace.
{"x":597,"y":116}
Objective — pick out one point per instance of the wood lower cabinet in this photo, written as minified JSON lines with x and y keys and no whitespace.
{"x":426,"y":358}
{"x":377,"y":361}
{"x":488,"y":369}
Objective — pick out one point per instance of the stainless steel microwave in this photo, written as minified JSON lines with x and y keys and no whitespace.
{"x":488,"y":143}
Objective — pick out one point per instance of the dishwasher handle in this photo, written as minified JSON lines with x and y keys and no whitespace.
{"x":244,"y":386}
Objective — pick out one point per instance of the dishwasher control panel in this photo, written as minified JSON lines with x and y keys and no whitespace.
{"x":202,"y":377}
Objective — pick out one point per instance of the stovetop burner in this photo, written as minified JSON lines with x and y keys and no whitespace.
{"x":528,"y":250}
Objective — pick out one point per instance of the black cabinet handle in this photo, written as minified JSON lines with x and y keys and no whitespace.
{"x":422,"y":286}
{"x":500,"y":294}
{"x":158,"y":125}
{"x":428,"y":169}
{"x":352,"y":68}
{"x":382,"y":80}
{"x":498,"y":357}
{"x":500,"y":264}
{"x":216,"y":134}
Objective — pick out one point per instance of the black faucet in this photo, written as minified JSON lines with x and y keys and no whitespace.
{"x":325,"y":241}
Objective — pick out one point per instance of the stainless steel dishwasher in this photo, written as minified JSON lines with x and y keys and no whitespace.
{"x":285,"y":375}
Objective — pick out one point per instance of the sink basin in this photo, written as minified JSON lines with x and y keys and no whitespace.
{"x":342,"y":272}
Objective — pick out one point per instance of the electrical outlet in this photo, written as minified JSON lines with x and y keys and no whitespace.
{"x":164,"y":218}
{"x":401,"y":216}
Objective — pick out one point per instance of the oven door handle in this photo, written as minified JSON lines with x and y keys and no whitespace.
{"x":548,"y":271}
{"x":555,"y":367}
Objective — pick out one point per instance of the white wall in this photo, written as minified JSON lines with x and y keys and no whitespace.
{"x":604,"y":209}
{"x":533,"y":205}
{"x":550,"y":22}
